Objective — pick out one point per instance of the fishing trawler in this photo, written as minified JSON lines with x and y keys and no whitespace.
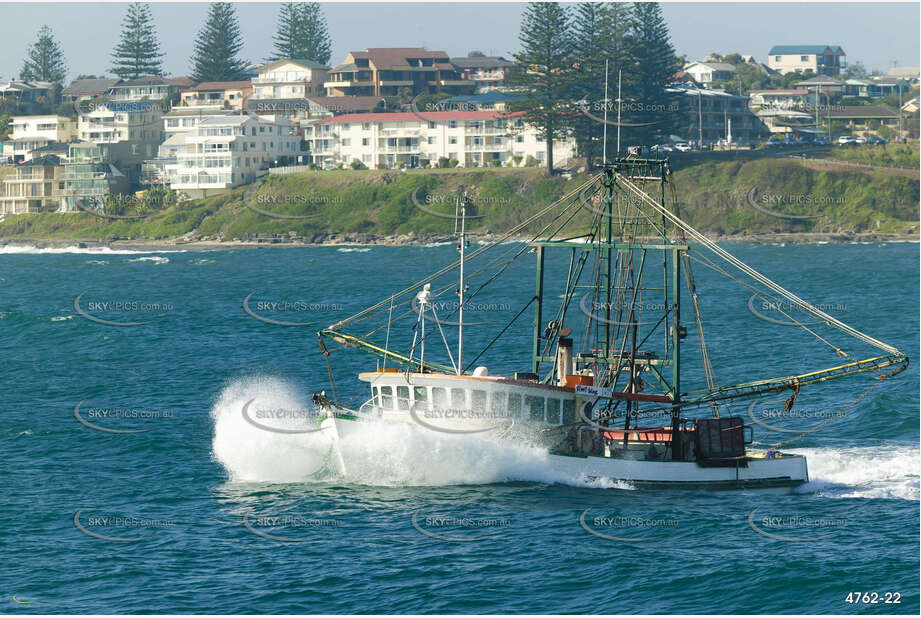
{"x":609,"y":402}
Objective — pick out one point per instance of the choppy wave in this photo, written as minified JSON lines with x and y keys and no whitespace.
{"x":353,"y":249}
{"x":151,"y":258}
{"x":863,"y":471}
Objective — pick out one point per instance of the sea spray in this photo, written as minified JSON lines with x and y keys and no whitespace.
{"x":249,"y":450}
{"x":372,"y":454}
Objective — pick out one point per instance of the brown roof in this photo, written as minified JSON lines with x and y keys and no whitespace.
{"x":222,"y":85}
{"x":347,"y":104}
{"x":397,"y":56}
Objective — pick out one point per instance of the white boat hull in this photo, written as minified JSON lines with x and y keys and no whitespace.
{"x":757,"y":472}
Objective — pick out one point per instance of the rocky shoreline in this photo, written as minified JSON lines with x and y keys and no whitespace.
{"x":195,"y":242}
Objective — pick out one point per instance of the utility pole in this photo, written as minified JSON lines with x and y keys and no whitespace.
{"x":619,"y":71}
{"x":700,"y":122}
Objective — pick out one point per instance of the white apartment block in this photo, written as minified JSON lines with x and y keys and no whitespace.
{"x":223,"y":152}
{"x":33,"y":132}
{"x":473,"y":138}
{"x":290,"y":79}
{"x":122,"y":121}
{"x":184,"y":119}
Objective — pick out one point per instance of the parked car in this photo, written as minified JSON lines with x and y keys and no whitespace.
{"x":658,"y":148}
{"x":847,"y":140}
{"x":860,"y":140}
{"x":773,"y":142}
{"x":874,"y":140}
{"x":821,"y":141}
{"x":683,"y":147}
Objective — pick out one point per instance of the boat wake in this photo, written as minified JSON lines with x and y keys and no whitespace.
{"x":863,"y":472}
{"x":388,"y":455}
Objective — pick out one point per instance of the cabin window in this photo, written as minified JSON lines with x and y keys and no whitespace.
{"x":420,"y":393}
{"x":458,"y":398}
{"x":387,"y":397}
{"x":514,"y":405}
{"x":553,"y":411}
{"x":497,"y":404}
{"x":535,"y":408}
{"x":403,"y":397}
{"x":439,"y":397}
{"x":569,"y":411}
{"x":375,"y":396}
{"x":478,"y":401}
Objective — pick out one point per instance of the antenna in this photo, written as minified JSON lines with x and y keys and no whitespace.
{"x":460,"y":292}
{"x":618,"y":111}
{"x":604,"y":148}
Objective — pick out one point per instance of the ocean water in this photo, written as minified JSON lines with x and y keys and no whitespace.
{"x":132,"y":482}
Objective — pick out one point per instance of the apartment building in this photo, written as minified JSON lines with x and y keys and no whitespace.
{"x":290,"y":79}
{"x":33,"y":186}
{"x":820,"y":59}
{"x":150,"y":88}
{"x":91,"y":174}
{"x":404,"y":139}
{"x":184,"y":119}
{"x":223,"y":152}
{"x":223,"y":95}
{"x":708,"y":115}
{"x":384,"y":71}
{"x":487,"y":72}
{"x":33,"y":132}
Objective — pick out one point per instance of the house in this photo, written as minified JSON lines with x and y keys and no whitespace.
{"x":91,"y":174}
{"x":32,"y":97}
{"x":911,"y":106}
{"x":409,"y":139}
{"x":829,"y":87}
{"x":290,"y":79}
{"x":875,"y":87}
{"x":863,"y":118}
{"x":33,"y":132}
{"x":706,"y":73}
{"x":384,"y":71}
{"x":778,"y":98}
{"x":84,"y":89}
{"x":908,"y":73}
{"x":488,"y":72}
{"x":820,"y":59}
{"x":222,"y":152}
{"x":708,"y":115}
{"x":34,"y":186}
{"x":224,"y":95}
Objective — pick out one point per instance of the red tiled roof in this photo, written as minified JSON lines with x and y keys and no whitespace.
{"x":222,"y":85}
{"x":422,"y":115}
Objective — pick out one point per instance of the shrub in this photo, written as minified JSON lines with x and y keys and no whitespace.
{"x":453,"y":163}
{"x":357,"y":165}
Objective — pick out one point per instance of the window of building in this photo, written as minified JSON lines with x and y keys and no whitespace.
{"x":804,"y":58}
{"x":365,"y":141}
{"x":452,"y":124}
{"x":347,"y":142}
{"x":452,"y":140}
{"x":430,"y":140}
{"x":366,"y":126}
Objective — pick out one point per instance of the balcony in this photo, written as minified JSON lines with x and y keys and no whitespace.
{"x":348,"y":84}
{"x":397,"y":82}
